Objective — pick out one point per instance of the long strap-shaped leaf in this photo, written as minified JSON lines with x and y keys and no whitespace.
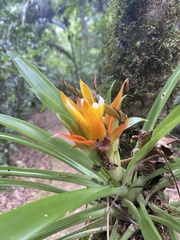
{"x":147,"y":226}
{"x":29,"y":184}
{"x":46,"y":148}
{"x":161,"y":100}
{"x":165,"y":218}
{"x":95,"y":212}
{"x":30,"y":219}
{"x":83,"y":180}
{"x":43,"y":88}
{"x":55,"y":146}
{"x":37,"y":80}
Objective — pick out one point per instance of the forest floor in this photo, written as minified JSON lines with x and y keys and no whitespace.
{"x":30,"y":158}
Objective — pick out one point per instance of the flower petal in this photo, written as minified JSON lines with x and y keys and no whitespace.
{"x":110,"y":126}
{"x":116,"y":133}
{"x":94,"y":124}
{"x":118,"y":99}
{"x":80,"y":139}
{"x":86,"y":92}
{"x":73,"y":109}
{"x":99,"y":108}
{"x":116,"y":103}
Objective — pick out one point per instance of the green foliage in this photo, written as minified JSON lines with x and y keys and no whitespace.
{"x":161,"y":100}
{"x":137,"y":203}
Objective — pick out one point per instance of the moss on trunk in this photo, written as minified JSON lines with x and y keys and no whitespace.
{"x":142,"y":44}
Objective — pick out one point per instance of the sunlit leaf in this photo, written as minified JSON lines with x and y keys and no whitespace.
{"x":34,"y":217}
{"x":41,"y":86}
{"x":55,"y":147}
{"x":161,"y":100}
{"x":92,"y":213}
{"x":83,"y":180}
{"x":29,"y":184}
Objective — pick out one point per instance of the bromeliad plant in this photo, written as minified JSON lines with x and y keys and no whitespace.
{"x":123,"y":201}
{"x":95,"y":133}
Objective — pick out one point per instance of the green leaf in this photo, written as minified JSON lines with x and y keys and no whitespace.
{"x":34,"y":217}
{"x":29,"y":184}
{"x":63,"y":152}
{"x":165,"y":183}
{"x":164,"y":218}
{"x":161,"y":100}
{"x":142,"y":180}
{"x":37,"y":80}
{"x":56,"y":147}
{"x":115,"y":231}
{"x":83,"y":180}
{"x":92,"y":213}
{"x":174,"y":235}
{"x":147,"y":226}
{"x":67,"y":119}
{"x":129,"y":232}
{"x":108,"y":96}
{"x":161,"y":130}
{"x":134,"y":120}
{"x":91,"y":228}
{"x":41,"y":86}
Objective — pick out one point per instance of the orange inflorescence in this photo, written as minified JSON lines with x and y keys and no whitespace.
{"x":89,"y":114}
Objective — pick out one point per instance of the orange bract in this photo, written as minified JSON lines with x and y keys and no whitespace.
{"x":88,"y":113}
{"x":116,"y":103}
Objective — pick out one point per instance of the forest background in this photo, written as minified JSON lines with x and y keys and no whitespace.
{"x":72,"y":39}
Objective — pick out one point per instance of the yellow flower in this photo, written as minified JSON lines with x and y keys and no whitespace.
{"x":89,"y":115}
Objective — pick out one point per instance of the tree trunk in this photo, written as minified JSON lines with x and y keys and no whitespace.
{"x":142,"y":44}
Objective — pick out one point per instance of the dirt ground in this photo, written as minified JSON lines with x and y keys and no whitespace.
{"x":29,"y":158}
